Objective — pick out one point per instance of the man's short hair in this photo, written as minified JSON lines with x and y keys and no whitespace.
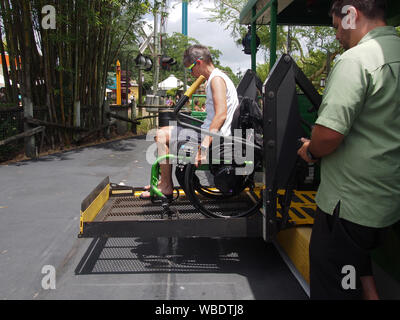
{"x":372,"y":9}
{"x":195,"y":52}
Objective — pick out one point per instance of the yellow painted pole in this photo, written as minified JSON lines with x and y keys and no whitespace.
{"x":119,"y":102}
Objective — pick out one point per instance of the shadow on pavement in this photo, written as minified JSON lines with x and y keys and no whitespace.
{"x":259,"y":262}
{"x":125,"y":145}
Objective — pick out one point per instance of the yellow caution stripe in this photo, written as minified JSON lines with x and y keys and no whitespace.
{"x":94,"y":208}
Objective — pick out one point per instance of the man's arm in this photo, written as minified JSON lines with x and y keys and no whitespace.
{"x":324,"y":141}
{"x":218,"y":88}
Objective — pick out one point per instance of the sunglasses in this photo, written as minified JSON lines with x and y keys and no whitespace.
{"x":193,"y":64}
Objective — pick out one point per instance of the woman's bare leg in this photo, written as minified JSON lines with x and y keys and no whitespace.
{"x":165,"y":184}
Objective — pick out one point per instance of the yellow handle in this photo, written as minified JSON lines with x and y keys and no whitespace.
{"x":194,"y":86}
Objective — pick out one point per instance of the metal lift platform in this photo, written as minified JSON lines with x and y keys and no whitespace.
{"x":112,"y":210}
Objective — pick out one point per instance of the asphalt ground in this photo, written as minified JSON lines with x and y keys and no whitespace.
{"x":39,"y":223}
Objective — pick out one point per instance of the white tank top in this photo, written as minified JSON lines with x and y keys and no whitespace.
{"x":232,"y":102}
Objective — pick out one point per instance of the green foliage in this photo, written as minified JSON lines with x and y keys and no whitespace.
{"x":8,"y":129}
{"x":262,"y":71}
{"x":316,"y":38}
{"x":144,"y":126}
{"x":265,"y":38}
{"x":226,"y":12}
{"x":174,"y":46}
{"x":235,"y":79}
{"x":309,"y":46}
{"x":172,"y":92}
{"x":312,"y":65}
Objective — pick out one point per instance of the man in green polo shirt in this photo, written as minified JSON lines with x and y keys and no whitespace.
{"x":357,"y":139}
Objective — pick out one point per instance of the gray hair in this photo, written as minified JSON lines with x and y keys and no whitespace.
{"x":196,"y":52}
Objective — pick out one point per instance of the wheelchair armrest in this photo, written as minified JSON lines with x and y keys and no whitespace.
{"x":187,"y":117}
{"x":231,"y":139}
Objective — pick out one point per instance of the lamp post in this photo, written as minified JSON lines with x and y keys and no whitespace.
{"x":250,"y":44}
{"x":185,"y":33}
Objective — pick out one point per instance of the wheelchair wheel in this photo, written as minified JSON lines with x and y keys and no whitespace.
{"x":210,"y":201}
{"x":202,"y":182}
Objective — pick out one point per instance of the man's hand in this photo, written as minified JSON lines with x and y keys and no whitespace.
{"x":303,"y":151}
{"x":201,"y":157}
{"x":324,"y":142}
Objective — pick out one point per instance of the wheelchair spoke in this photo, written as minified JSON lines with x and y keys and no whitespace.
{"x":210,"y":201}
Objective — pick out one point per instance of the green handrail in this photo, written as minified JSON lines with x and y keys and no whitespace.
{"x":273,"y":44}
{"x":273,"y":4}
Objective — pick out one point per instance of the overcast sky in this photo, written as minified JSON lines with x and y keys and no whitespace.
{"x":209,"y":33}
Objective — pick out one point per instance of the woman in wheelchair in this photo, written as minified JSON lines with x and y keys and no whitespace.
{"x":221,"y":103}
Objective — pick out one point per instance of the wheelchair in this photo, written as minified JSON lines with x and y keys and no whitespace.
{"x":226,"y":186}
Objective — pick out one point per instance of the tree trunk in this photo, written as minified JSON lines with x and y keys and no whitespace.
{"x":30,"y":149}
{"x":11,"y":38}
{"x":5,"y":70}
{"x":77,"y":104}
